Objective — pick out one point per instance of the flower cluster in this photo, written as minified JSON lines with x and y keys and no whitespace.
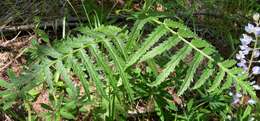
{"x":248,"y":55}
{"x":245,"y":49}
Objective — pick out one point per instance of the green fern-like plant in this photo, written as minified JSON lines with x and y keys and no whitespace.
{"x":224,"y":72}
{"x":103,"y":58}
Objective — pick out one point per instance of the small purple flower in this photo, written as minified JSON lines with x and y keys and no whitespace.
{"x":256,"y":70}
{"x":250,"y":28}
{"x":257,"y":31}
{"x":246,"y":39}
{"x":235,"y":100}
{"x":238,"y":95}
{"x":244,"y":47}
{"x":245,"y":52}
{"x":245,"y":68}
{"x":242,"y":63}
{"x":240,"y":55}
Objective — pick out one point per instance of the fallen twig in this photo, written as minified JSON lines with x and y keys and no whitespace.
{"x":11,"y":61}
{"x":72,"y":22}
{"x":10,"y":41}
{"x":17,"y":56}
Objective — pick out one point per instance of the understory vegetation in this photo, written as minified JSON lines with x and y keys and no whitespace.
{"x":116,"y":60}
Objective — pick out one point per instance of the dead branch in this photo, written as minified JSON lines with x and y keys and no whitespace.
{"x":32,"y":26}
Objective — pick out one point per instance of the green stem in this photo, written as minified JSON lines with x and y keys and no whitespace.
{"x":27,"y":105}
{"x":252,"y":55}
{"x":86,"y":12}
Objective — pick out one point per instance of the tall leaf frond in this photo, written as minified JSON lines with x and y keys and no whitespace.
{"x":203,"y":50}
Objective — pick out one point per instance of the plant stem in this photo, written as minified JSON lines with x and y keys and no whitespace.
{"x":28,"y":110}
{"x":252,"y":55}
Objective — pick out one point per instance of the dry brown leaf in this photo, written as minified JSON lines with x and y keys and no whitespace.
{"x":42,"y":98}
